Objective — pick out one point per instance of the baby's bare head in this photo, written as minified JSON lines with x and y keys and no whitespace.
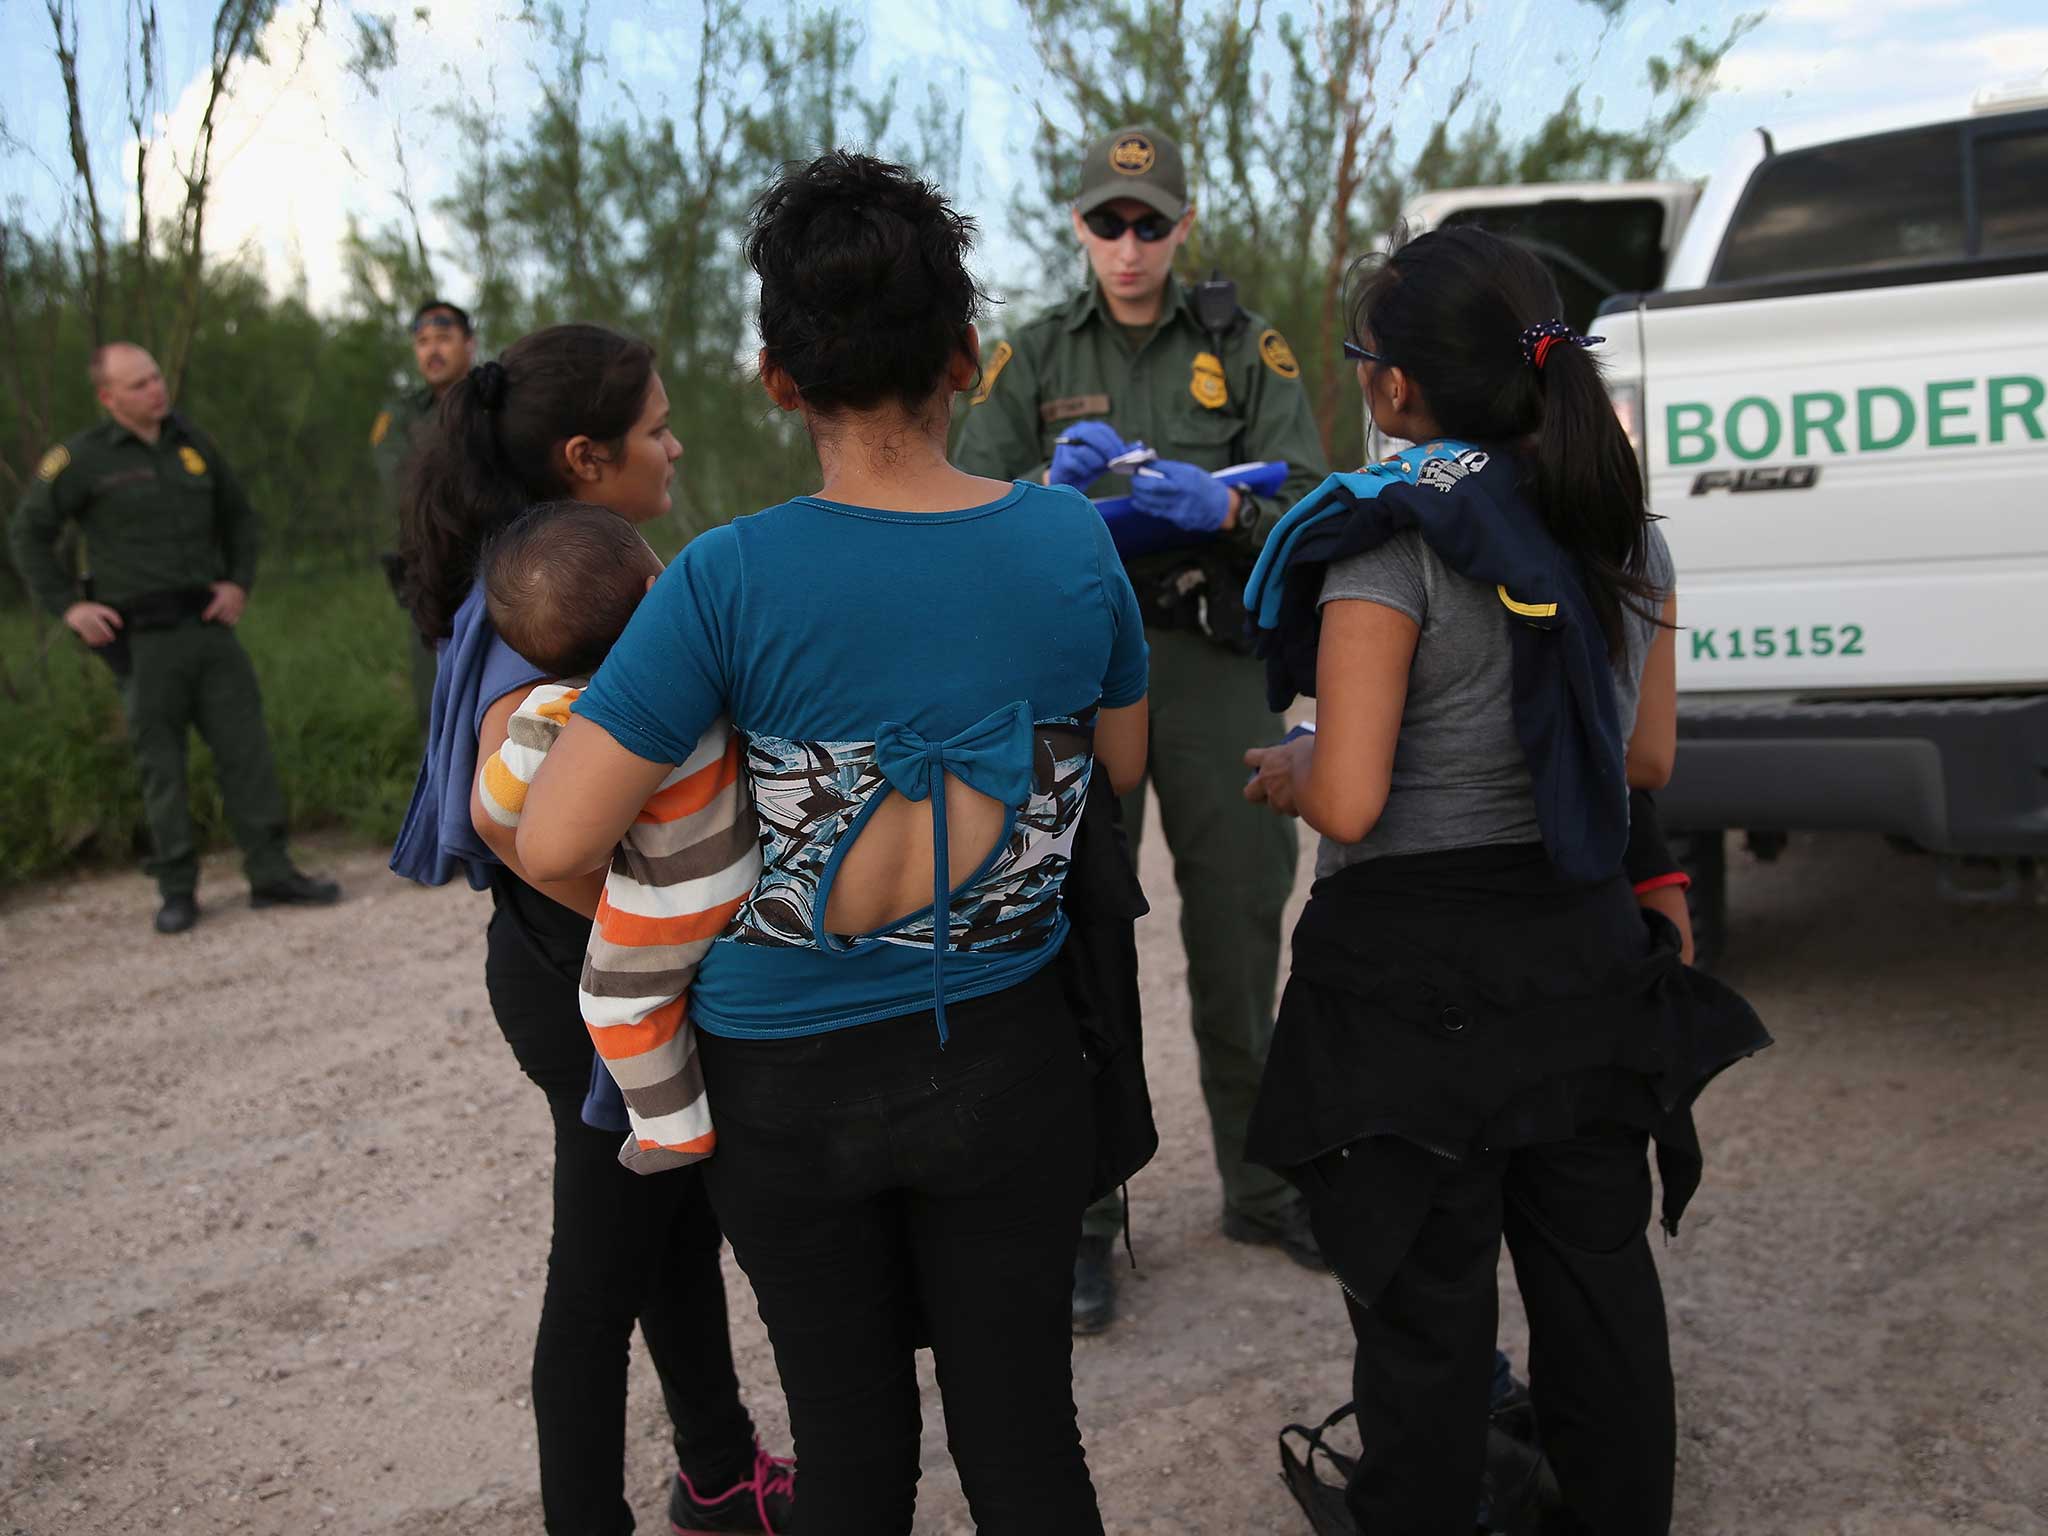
{"x":561,"y":581}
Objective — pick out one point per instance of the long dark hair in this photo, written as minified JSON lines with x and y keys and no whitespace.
{"x":865,"y":293}
{"x":1448,"y":308}
{"x":493,"y":452}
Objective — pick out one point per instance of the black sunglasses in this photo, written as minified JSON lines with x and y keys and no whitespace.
{"x":1148,"y":227}
{"x":1359,"y":354}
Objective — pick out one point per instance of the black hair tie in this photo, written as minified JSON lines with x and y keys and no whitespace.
{"x":488,"y":380}
{"x":1537,"y":340}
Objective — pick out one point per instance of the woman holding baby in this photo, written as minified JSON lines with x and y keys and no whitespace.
{"x":570,"y":412}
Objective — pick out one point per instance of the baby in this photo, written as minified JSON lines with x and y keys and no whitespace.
{"x":560,"y":585}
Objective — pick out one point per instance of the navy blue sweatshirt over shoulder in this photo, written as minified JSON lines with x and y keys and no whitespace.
{"x":1469,"y":505}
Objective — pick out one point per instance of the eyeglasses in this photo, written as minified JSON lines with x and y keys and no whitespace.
{"x":1359,"y":354}
{"x":1148,"y":227}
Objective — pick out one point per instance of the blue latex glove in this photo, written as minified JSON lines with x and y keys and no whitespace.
{"x":1084,"y":454}
{"x":1181,"y":494}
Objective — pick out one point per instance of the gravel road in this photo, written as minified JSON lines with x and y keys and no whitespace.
{"x":264,"y":1272}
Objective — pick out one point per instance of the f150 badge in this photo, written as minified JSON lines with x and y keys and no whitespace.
{"x":1765,"y":477}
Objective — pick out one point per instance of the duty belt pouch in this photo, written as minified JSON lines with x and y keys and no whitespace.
{"x":1206,"y":595}
{"x":115,"y":653}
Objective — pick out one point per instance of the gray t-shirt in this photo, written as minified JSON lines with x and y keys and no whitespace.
{"x":1459,"y":777}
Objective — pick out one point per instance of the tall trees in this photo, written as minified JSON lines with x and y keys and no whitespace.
{"x":601,"y":205}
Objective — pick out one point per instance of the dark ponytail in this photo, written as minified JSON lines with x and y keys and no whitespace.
{"x":1449,"y":309}
{"x":865,"y":293}
{"x":494,"y":451}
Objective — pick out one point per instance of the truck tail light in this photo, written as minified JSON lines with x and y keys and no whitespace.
{"x":1627,"y":398}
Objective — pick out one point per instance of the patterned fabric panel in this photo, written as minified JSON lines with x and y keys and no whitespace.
{"x":807,"y":795}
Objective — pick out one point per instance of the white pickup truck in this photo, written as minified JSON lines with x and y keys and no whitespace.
{"x":1833,"y":360}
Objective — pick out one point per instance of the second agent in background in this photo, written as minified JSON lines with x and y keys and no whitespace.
{"x":173,"y":541}
{"x":443,"y":350}
{"x":1127,"y":359}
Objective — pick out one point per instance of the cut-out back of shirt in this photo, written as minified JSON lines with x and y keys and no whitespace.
{"x":813,"y":799}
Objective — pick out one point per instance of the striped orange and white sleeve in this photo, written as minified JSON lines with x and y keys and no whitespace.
{"x":688,"y":862}
{"x":507,"y":774}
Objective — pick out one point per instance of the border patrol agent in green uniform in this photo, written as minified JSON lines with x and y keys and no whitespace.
{"x":444,"y":350}
{"x":172,"y":540}
{"x":1136,"y":357}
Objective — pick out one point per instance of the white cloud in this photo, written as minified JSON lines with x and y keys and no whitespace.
{"x":301,"y":144}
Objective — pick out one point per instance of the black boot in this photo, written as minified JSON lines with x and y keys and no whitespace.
{"x":1094,"y":1286}
{"x":295,"y":890}
{"x":177,"y":914}
{"x":1286,"y":1229}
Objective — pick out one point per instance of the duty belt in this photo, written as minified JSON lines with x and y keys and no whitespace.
{"x":163,"y":610}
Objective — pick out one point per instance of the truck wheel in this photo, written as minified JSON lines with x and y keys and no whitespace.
{"x":1704,"y":856}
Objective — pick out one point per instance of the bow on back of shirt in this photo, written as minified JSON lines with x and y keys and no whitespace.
{"x":992,"y":756}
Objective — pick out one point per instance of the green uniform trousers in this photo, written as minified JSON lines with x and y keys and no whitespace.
{"x":199,"y":675}
{"x":1233,"y":863}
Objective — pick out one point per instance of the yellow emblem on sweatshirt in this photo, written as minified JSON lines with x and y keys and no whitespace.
{"x":1206,"y":383}
{"x":54,"y":463}
{"x":194,"y":464}
{"x":1277,"y":355}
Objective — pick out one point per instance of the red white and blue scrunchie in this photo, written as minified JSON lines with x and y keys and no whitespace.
{"x":1537,"y":340}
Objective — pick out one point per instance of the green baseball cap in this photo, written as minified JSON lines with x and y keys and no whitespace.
{"x":1134,"y":162}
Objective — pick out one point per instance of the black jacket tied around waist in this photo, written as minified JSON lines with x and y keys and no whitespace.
{"x":1446,"y":1004}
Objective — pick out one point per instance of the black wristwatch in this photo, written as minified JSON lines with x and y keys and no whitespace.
{"x":1249,"y":512}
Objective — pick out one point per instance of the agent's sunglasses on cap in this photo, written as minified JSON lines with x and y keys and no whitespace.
{"x":1148,"y":227}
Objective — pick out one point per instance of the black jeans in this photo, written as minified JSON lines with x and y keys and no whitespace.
{"x":627,"y":1247}
{"x":881,"y":1193}
{"x":1574,"y":1214}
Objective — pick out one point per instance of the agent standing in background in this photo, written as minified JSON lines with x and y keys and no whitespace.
{"x":172,"y":540}
{"x":1135,"y":357}
{"x":444,"y":350}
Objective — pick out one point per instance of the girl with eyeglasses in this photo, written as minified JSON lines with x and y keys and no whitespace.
{"x":1482,"y":1031}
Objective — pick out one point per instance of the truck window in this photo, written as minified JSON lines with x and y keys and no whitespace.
{"x":1891,"y":201}
{"x":1594,"y":248}
{"x":2012,"y":193}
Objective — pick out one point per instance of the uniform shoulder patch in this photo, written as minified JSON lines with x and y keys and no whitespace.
{"x":1277,"y":355}
{"x":379,"y":428}
{"x":998,"y":360}
{"x":1206,"y":382}
{"x":53,"y":463}
{"x":194,"y":463}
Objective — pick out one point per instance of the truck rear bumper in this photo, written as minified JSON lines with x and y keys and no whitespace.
{"x":1966,"y":776}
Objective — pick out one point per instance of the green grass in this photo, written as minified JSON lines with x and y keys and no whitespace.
{"x":331,"y":654}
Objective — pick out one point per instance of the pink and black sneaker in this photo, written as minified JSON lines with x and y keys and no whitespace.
{"x":760,"y":1506}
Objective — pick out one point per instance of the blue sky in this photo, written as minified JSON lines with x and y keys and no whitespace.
{"x":305,"y":146}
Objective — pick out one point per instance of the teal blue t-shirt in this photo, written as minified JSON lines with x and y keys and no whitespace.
{"x":814,"y":625}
